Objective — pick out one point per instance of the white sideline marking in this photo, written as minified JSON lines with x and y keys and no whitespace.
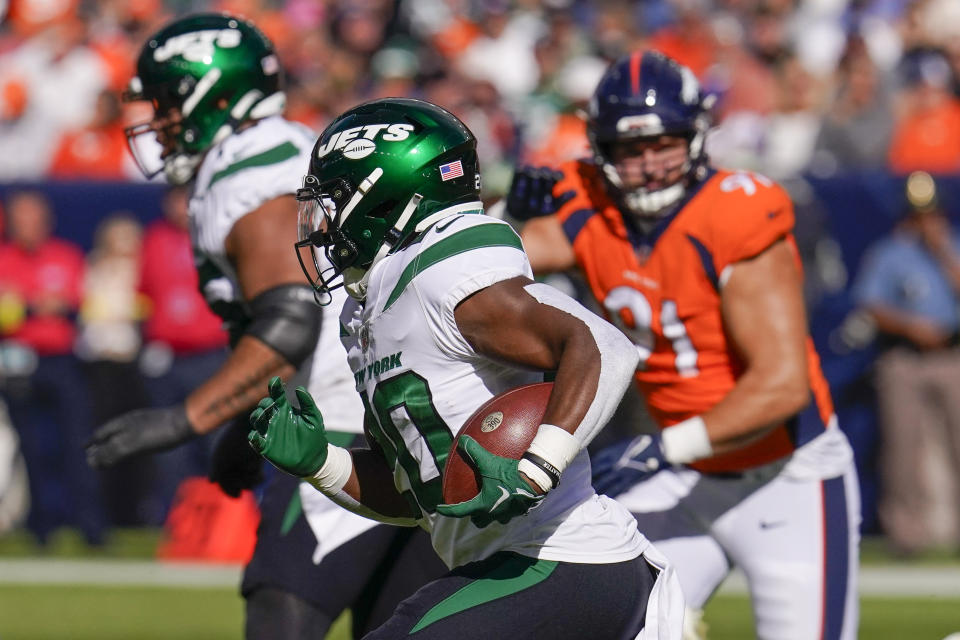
{"x":118,"y":573}
{"x":885,"y":581}
{"x":874,"y":581}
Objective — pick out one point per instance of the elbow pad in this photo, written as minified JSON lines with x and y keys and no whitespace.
{"x":287,"y":320}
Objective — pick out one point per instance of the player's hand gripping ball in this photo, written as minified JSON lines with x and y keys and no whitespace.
{"x":481,"y":478}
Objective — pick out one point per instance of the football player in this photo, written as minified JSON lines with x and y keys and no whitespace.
{"x":444,"y":315}
{"x":699,"y":268}
{"x":215,"y":86}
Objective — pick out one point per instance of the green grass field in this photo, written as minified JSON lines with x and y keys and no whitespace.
{"x":110,"y":613}
{"x":86,"y":612}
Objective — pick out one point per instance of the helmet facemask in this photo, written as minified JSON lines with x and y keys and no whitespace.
{"x":323,"y":212}
{"x":155,"y":144}
{"x":623,"y":169}
{"x":317,"y":224}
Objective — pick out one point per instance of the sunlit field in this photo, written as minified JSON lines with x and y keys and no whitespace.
{"x":69,"y":591}
{"x":105,"y":613}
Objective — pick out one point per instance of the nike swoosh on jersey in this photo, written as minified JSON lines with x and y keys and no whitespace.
{"x":452,"y":220}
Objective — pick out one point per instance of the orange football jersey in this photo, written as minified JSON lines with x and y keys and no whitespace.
{"x":663,"y":290}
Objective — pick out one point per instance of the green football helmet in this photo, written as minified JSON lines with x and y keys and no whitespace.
{"x":379,"y":175}
{"x":205,"y":75}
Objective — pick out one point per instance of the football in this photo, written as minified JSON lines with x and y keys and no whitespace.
{"x":504,"y":425}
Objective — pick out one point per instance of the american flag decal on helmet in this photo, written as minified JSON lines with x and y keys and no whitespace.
{"x":451,"y":170}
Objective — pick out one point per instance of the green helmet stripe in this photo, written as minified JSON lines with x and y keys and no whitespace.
{"x":277,"y":154}
{"x":486,"y":235}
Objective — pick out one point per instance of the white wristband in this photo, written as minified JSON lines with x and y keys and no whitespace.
{"x":552,"y":450}
{"x":334,"y":473}
{"x":555,"y":445}
{"x":686,"y":441}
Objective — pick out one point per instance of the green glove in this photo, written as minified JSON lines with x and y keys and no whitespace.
{"x":504,"y":494}
{"x":293,"y":440}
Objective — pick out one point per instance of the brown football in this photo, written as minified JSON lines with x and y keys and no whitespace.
{"x":505,"y":425}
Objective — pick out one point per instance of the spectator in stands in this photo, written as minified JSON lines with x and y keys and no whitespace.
{"x":781,"y":142}
{"x":61,"y":78}
{"x":98,"y":150}
{"x":744,"y":75}
{"x":926,"y":135}
{"x":184,"y":342}
{"x":46,"y":393}
{"x":857,"y":126}
{"x":503,"y":54}
{"x":910,"y":285}
{"x":109,"y":343}
{"x":554,"y":136}
{"x":690,"y":39}
{"x":111,"y":308}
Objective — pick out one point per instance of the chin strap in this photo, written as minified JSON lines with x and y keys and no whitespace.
{"x":355,"y":283}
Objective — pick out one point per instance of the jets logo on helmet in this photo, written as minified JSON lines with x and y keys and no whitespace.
{"x":197,"y":45}
{"x":359,"y":149}
{"x":642,"y":96}
{"x":382,"y":187}
{"x":387,"y":132}
{"x":204,"y":75}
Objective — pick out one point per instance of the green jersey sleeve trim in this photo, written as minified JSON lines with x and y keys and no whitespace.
{"x":477,"y":237}
{"x":277,"y":154}
{"x":510,"y":574}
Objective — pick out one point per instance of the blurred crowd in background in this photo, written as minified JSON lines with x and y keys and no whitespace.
{"x":806,"y":91}
{"x":802,"y":85}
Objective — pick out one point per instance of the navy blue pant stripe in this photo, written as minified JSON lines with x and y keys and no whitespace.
{"x":836,"y":557}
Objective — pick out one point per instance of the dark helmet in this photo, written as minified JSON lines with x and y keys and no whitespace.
{"x":645,"y":95}
{"x":378,"y":175}
{"x":217,"y":71}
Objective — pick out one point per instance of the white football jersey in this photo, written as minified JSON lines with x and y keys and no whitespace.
{"x":421,"y":379}
{"x":247,"y":169}
{"x":238,"y":175}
